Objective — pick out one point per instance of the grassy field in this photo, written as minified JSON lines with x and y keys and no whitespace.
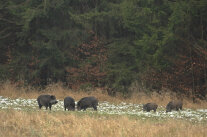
{"x":116,"y":117}
{"x":74,"y":124}
{"x":105,"y":107}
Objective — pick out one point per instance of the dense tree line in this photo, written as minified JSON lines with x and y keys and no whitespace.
{"x":106,"y":43}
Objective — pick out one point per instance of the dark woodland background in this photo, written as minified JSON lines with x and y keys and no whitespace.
{"x":111,"y":44}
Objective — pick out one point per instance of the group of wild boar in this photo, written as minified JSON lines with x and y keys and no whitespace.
{"x":87,"y":102}
{"x":172,"y":105}
{"x":69,"y":102}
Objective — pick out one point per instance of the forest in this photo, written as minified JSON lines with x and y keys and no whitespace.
{"x":110,"y":44}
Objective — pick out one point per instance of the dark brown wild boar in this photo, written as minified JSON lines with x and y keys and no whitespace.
{"x":150,"y":106}
{"x":174,"y":105}
{"x":87,"y":102}
{"x":69,"y":103}
{"x":46,"y":100}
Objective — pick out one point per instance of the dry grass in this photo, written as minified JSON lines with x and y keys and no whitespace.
{"x":75,"y":124}
{"x":60,"y":124}
{"x":11,"y":90}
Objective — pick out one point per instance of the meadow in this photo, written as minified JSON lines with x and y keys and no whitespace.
{"x":116,"y":116}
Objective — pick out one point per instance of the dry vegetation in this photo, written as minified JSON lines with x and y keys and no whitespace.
{"x":21,"y":123}
{"x":43,"y":123}
{"x":12,"y":91}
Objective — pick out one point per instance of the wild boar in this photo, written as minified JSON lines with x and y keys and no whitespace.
{"x":87,"y":102}
{"x":150,"y":106}
{"x":69,"y":103}
{"x":174,"y":105}
{"x":46,"y":100}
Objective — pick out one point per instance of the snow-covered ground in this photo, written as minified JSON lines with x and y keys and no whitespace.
{"x":199,"y":115}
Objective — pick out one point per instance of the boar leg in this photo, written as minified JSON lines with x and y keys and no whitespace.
{"x":50,"y":106}
{"x":40,"y":106}
{"x":95,"y":108}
